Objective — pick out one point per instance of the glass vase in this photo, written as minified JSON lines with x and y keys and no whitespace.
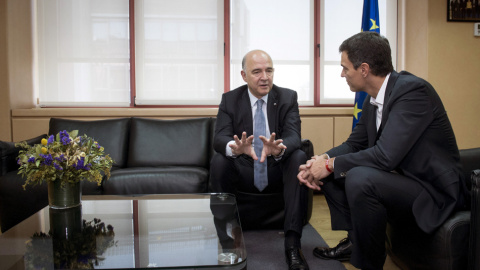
{"x":63,"y":197}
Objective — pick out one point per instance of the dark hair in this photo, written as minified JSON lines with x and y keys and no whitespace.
{"x":243,"y":62}
{"x":370,"y":48}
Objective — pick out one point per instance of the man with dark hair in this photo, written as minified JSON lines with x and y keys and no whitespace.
{"x":400,"y":164}
{"x":248,"y":154}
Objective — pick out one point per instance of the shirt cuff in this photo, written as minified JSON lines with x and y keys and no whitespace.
{"x":328,"y":157}
{"x":277,"y":158}
{"x":228,"y":150}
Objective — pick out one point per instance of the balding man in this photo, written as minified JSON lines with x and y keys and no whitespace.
{"x":257,"y":143}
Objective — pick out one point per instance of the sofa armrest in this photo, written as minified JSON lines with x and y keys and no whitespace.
{"x":9,"y":154}
{"x":470,"y":160}
{"x":307,"y":147}
{"x":474,"y":248}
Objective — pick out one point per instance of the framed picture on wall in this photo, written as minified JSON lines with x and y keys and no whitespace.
{"x":463,"y":10}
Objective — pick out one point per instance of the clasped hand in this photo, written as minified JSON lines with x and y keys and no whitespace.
{"x":311,"y":173}
{"x":244,"y":146}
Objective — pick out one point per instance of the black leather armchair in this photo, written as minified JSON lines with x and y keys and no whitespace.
{"x":11,"y":191}
{"x":456,"y":244}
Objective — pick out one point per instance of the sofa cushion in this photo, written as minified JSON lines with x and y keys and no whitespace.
{"x":157,"y":180}
{"x":185,"y":142}
{"x":112,"y":134}
{"x":9,"y":154}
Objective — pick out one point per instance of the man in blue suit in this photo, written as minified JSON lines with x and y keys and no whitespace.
{"x":240,"y":155}
{"x":400,"y":163}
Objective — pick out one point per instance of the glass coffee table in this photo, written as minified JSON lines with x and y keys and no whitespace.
{"x":180,"y":231}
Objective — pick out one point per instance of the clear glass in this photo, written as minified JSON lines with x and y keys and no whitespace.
{"x":179,"y":52}
{"x":282,"y":28}
{"x":83,"y":52}
{"x":160,"y":231}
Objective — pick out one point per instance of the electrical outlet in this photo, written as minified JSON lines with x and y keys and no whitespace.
{"x":476,"y":29}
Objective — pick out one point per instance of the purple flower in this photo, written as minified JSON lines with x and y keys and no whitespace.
{"x":64,"y":137}
{"x":47,"y":159}
{"x":81,"y":165}
{"x":61,"y":158}
{"x":31,"y":159}
{"x":58,"y":167}
{"x":51,"y":139}
{"x":84,"y":258}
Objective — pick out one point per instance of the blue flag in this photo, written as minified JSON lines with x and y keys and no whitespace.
{"x":370,"y":22}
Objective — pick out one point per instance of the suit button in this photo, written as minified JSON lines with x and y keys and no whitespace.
{"x":343,"y":174}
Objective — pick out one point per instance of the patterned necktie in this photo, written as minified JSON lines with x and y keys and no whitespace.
{"x":259,"y":169}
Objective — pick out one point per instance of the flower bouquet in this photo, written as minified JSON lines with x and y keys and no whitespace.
{"x":63,"y":161}
{"x":66,"y":157}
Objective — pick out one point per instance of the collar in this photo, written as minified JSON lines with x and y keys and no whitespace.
{"x":254,"y":99}
{"x":381,"y":94}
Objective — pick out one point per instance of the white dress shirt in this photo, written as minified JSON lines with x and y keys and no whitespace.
{"x":378,"y":101}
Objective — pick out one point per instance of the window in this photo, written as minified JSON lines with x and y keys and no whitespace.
{"x":338,"y":24}
{"x":83,"y":53}
{"x":282,"y":28}
{"x":177,"y":53}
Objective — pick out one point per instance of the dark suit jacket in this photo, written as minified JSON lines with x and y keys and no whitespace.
{"x":235,"y":116}
{"x":415,"y":138}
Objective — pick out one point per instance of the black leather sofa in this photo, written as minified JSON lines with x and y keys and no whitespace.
{"x":151,"y":157}
{"x":456,"y":244}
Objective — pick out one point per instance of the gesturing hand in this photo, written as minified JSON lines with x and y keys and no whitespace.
{"x":243,"y":146}
{"x":271,"y":146}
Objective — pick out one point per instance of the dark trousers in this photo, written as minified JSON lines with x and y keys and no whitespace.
{"x":231,"y":174}
{"x":363,"y":202}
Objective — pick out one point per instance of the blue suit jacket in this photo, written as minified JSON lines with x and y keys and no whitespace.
{"x":416,"y":138}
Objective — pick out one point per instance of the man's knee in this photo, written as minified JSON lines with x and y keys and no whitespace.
{"x":361,"y":181}
{"x":220,"y":162}
{"x":297,"y":158}
{"x":221,"y":168}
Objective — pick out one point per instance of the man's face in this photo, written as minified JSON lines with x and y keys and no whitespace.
{"x":258,"y":74}
{"x":354,"y":77}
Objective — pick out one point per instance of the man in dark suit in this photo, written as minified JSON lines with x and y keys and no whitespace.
{"x":400,"y":163}
{"x":240,"y":156}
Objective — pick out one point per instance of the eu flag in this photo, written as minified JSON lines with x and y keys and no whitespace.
{"x":370,"y":22}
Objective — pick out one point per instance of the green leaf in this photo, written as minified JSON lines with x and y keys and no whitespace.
{"x":38,"y":149}
{"x":73,"y":133}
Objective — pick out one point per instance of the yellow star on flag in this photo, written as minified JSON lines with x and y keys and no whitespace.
{"x":356,"y":111}
{"x":374,"y":25}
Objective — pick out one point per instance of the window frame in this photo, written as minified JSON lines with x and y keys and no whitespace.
{"x":315,"y":47}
